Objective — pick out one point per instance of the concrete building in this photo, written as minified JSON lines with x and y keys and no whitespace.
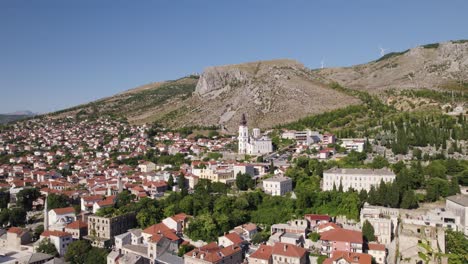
{"x":244,"y":168}
{"x":383,"y":225}
{"x":438,"y":217}
{"x":458,"y":205}
{"x":102,"y":230}
{"x":60,"y":217}
{"x":285,"y":253}
{"x":351,"y":144}
{"x":358,"y":179}
{"x":254,"y":144}
{"x":341,"y":240}
{"x":411,"y":235}
{"x":78,"y":229}
{"x":15,"y":238}
{"x":378,"y":252}
{"x":147,"y":166}
{"x":58,"y":238}
{"x":344,"y":257}
{"x":277,"y":185}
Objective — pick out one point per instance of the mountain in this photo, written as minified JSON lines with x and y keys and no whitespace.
{"x":18,"y":115}
{"x":22,"y":113}
{"x":281,"y":91}
{"x":431,"y":66}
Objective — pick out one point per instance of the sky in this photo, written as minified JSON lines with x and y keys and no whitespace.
{"x":56,"y":54}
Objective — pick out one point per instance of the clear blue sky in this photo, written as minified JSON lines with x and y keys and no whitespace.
{"x":56,"y":54}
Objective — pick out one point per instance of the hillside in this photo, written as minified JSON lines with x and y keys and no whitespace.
{"x":431,"y":66}
{"x":276,"y":92}
{"x":269,"y":92}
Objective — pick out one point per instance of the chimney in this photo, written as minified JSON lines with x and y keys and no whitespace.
{"x":285,"y":247}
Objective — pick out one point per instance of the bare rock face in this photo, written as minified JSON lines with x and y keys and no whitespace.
{"x":432,"y":66}
{"x":269,"y":92}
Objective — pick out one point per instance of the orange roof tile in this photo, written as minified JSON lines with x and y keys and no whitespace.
{"x":344,"y":235}
{"x":263,"y":252}
{"x":350,"y":257}
{"x":288,"y":250}
{"x":77,"y":225}
{"x":62,"y":211}
{"x":49,"y":233}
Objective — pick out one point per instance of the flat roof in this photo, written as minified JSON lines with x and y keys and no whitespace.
{"x":363,"y":172}
{"x":459,"y":199}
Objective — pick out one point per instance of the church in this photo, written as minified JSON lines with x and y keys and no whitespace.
{"x":255,"y":143}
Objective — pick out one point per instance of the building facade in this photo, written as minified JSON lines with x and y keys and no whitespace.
{"x":358,"y":179}
{"x":277,"y":185}
{"x":255,"y":143}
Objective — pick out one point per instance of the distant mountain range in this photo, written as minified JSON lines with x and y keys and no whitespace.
{"x":18,"y":115}
{"x":281,"y":91}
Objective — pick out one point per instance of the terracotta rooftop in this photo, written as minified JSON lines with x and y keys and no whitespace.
{"x":65,"y":210}
{"x":77,"y":225}
{"x":340,"y":234}
{"x":49,"y":233}
{"x":288,"y":250}
{"x":263,"y":252}
{"x":350,"y":257}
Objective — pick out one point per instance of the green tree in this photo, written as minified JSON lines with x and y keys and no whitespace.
{"x":184,"y":249}
{"x":46,"y":247}
{"x":379,"y":162}
{"x":26,"y":197}
{"x":97,"y":256}
{"x":260,"y":237}
{"x":38,"y":231}
{"x":17,"y":217}
{"x":57,"y":201}
{"x":368,"y":231}
{"x":77,"y":250}
{"x":4,"y":199}
{"x":409,"y":200}
{"x":4,"y":217}
{"x":314,"y":236}
{"x":244,"y":181}
{"x":170,"y":181}
{"x":124,"y":198}
{"x":456,"y":244}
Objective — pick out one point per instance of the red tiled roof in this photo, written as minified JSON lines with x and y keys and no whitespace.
{"x":180,"y":217}
{"x":288,"y":250}
{"x":49,"y":233}
{"x":212,"y":252}
{"x":375,"y":246}
{"x":161,"y":229}
{"x":234,"y":237}
{"x":16,"y":230}
{"x":350,"y":257}
{"x":77,"y":225}
{"x":343,"y":235}
{"x":62,"y":211}
{"x":263,"y":252}
{"x":317,"y":217}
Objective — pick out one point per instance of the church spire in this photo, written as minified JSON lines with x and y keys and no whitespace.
{"x":243,"y":120}
{"x":46,"y":215}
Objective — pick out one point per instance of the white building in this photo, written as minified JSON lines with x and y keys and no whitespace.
{"x":303,"y":137}
{"x":353,"y":144}
{"x":358,"y":179}
{"x":254,"y":144}
{"x":59,"y":239}
{"x":458,"y":205}
{"x":277,"y":185}
{"x":60,"y":217}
